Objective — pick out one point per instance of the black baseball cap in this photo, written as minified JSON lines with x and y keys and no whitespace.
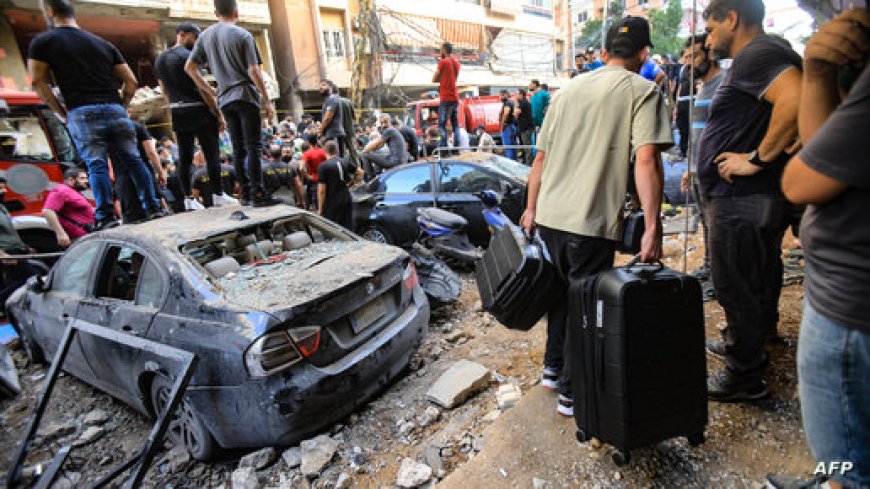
{"x":188,"y":27}
{"x":629,"y":30}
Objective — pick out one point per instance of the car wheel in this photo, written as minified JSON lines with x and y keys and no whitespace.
{"x":185,"y":427}
{"x":31,"y":347}
{"x":378,"y":235}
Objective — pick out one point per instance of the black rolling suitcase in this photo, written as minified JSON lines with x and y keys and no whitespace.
{"x":516,"y":281}
{"x":637,"y":356}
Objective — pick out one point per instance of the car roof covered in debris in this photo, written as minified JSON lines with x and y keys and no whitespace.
{"x":186,"y":227}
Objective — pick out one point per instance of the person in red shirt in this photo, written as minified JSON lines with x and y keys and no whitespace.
{"x":448,"y":108}
{"x":311,"y":160}
{"x":67,"y":211}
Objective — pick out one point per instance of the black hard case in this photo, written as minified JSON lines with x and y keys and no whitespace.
{"x":638,"y":361}
{"x":516,"y":281}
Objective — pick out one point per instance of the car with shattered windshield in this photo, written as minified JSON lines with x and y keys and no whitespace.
{"x":295,"y":320}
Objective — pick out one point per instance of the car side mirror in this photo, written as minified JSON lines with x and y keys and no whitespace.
{"x":36,"y":284}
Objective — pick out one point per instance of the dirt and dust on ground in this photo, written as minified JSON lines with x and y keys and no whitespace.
{"x":401,"y":438}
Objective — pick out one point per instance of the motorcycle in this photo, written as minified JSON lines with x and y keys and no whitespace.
{"x":443,"y":232}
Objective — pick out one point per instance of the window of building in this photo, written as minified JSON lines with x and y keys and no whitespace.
{"x":582,"y":17}
{"x":539,"y":3}
{"x":333,"y":43}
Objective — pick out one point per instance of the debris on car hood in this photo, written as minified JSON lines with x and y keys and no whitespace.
{"x":305,"y":274}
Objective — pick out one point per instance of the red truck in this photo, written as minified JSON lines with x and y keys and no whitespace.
{"x":473,"y":112}
{"x":35,"y":150}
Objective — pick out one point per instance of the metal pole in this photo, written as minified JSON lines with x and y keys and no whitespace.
{"x":604,"y":26}
{"x":690,"y":154}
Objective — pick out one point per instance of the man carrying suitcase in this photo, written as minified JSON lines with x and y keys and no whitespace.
{"x":578,"y":181}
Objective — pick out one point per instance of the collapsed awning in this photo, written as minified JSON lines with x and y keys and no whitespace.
{"x":514,"y":51}
{"x":426,"y":32}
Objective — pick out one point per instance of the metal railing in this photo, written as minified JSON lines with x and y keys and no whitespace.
{"x":485,"y":149}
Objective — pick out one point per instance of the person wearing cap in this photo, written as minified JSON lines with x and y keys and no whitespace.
{"x":741,"y":155}
{"x":579,"y":178}
{"x":194,"y":116}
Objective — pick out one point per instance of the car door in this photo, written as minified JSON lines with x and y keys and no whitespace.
{"x":458,"y":182}
{"x":54,"y":309}
{"x":397,"y":195}
{"x":128,"y":293}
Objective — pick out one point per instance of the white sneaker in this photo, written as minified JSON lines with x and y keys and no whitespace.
{"x":550,"y":379}
{"x":565,"y":406}
{"x":223,"y":199}
{"x":192,"y":205}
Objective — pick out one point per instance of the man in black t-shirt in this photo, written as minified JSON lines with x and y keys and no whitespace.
{"x":333,"y":197}
{"x":194,"y":115}
{"x":332,"y":125}
{"x":507,"y":122}
{"x":88,"y":70}
{"x":411,"y":139}
{"x":752,"y":122}
{"x":525,"y":126}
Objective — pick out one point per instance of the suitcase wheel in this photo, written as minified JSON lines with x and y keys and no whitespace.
{"x":696,"y":439}
{"x":582,"y":437}
{"x":620,"y":458}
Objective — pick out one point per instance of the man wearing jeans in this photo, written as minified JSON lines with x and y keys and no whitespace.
{"x":753,"y":120}
{"x":448,"y":107}
{"x":232,"y":58}
{"x":832,"y":176}
{"x":87,"y":69}
{"x":578,"y":181}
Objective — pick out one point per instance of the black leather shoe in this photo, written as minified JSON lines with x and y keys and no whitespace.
{"x":106,"y":224}
{"x":156,"y":214}
{"x":266,"y":201}
{"x":716,"y":348}
{"x":724,"y":386}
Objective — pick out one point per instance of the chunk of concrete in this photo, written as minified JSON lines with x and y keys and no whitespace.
{"x":413,"y":473}
{"x":245,"y":478}
{"x":90,"y":435}
{"x":292,"y":457}
{"x":462,"y":380}
{"x":317,"y":453}
{"x":507,"y":396}
{"x":96,"y":417}
{"x":260,"y":459}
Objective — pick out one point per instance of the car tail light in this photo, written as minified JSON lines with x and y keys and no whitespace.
{"x":277,"y":351}
{"x":409,"y":277}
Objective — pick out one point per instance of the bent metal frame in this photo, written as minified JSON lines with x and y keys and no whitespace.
{"x":185,"y":363}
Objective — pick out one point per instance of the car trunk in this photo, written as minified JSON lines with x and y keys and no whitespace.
{"x":351,"y":289}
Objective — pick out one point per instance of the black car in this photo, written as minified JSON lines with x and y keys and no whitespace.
{"x":296,"y":321}
{"x":385,"y":209}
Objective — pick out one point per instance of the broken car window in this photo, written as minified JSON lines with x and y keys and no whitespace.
{"x":71,"y":273}
{"x":120,"y":273}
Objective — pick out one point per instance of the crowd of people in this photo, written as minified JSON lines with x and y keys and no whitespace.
{"x":773,"y":131}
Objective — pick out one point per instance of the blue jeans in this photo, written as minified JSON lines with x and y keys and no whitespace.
{"x":833,"y":368}
{"x":448,"y":111}
{"x":509,"y":138}
{"x":97,"y":129}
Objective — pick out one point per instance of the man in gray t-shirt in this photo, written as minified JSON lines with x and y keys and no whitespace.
{"x":391,"y":138}
{"x":232,"y":57}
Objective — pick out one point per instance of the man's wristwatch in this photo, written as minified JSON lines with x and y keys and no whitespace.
{"x":755,"y":159}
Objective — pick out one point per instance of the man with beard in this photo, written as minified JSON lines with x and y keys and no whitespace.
{"x":68,"y":212}
{"x":448,"y":96}
{"x":742,"y":151}
{"x":332,"y":124}
{"x":707,"y":70}
{"x":194,"y":116}
{"x":506,"y":121}
{"x":233,"y":59}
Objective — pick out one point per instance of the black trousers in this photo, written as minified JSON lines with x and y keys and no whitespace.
{"x":243,"y":123}
{"x":683,"y":126}
{"x":575,"y":257}
{"x":201,"y":124}
{"x":128,"y":196}
{"x":745,"y":257}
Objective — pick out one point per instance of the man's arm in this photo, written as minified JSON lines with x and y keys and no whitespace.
{"x":151,"y":151}
{"x":374,"y":145}
{"x":803,"y":185}
{"x":505,"y":111}
{"x":192,"y":70}
{"x":257,"y":76}
{"x":321,"y":197}
{"x":436,"y":77}
{"x":128,"y":80}
{"x":784,"y":96}
{"x":648,"y":178}
{"x":527,"y":221}
{"x":54,"y":223}
{"x":38,"y":72}
{"x":327,"y":118}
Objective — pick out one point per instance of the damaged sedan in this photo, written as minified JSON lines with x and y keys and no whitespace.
{"x":296,"y":321}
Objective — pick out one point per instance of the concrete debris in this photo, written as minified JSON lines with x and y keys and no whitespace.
{"x":491,"y":416}
{"x":457,"y":335}
{"x":177,"y":459}
{"x":54,"y":431}
{"x":413,"y":473}
{"x":617,"y":476}
{"x":538,"y":483}
{"x":317,"y":453}
{"x":429,"y":416}
{"x":96,"y":417}
{"x":90,"y":435}
{"x":260,"y":459}
{"x":507,"y":396}
{"x":462,"y":380}
{"x":406,"y":428}
{"x":245,"y":478}
{"x":432,"y":457}
{"x":292,"y":457}
{"x":343,"y":481}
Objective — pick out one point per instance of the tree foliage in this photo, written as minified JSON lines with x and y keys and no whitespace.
{"x":590,"y":36}
{"x":665,"y":28}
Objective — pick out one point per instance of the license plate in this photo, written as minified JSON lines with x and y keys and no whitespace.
{"x":368,"y":315}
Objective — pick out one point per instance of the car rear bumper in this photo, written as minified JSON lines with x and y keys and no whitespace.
{"x":288,"y":407}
